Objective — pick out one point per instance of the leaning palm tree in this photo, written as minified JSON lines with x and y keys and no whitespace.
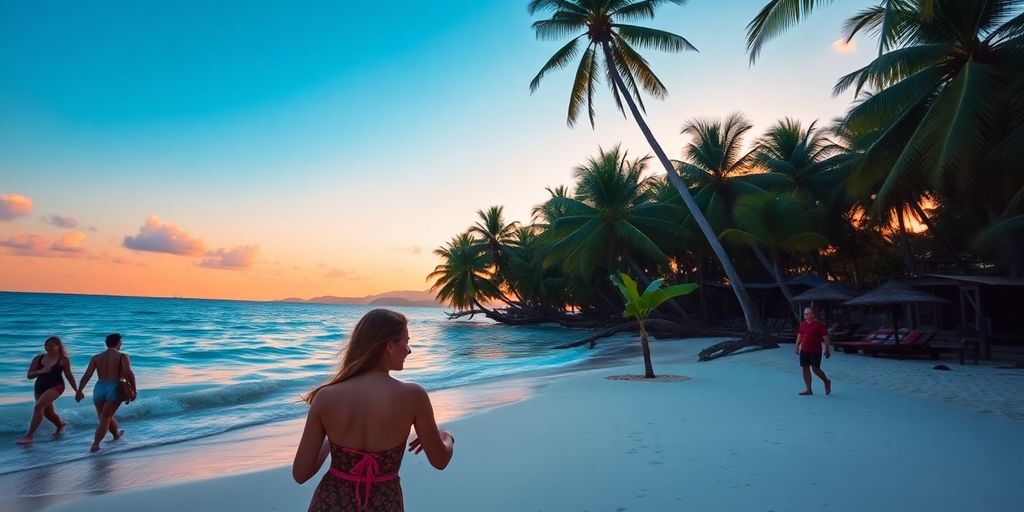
{"x":462,"y":279}
{"x":608,"y":47}
{"x":779,"y":224}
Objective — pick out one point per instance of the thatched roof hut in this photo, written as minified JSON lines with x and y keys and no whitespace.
{"x":893,"y":292}
{"x":830,"y":291}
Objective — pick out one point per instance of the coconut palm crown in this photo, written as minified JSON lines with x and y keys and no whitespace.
{"x":596,"y":26}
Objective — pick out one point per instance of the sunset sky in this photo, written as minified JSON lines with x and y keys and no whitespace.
{"x":202,"y":149}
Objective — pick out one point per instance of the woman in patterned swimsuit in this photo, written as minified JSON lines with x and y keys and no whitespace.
{"x":49,"y":370}
{"x":362,"y":418}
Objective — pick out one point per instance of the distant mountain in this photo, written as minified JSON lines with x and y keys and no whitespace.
{"x":403,"y":298}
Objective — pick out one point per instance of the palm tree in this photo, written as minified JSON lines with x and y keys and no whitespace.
{"x":802,"y":155}
{"x":610,"y":219}
{"x":462,"y":279}
{"x":779,"y":224}
{"x":609,"y":49}
{"x":779,"y":15}
{"x":493,"y":234}
{"x":945,"y":102}
{"x":720,"y":173}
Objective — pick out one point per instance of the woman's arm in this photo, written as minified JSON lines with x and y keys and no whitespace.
{"x":439,"y":445}
{"x":33,"y":371}
{"x":68,"y":375}
{"x":312,"y":448}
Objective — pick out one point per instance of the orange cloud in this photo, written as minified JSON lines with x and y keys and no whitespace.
{"x":25,"y":244}
{"x":72,"y":241}
{"x":158,"y":236}
{"x":13,"y":206}
{"x":337,"y":273}
{"x":841,"y":45}
{"x":239,"y":258}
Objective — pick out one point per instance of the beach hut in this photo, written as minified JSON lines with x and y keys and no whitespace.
{"x":830,"y":292}
{"x":894,"y":294}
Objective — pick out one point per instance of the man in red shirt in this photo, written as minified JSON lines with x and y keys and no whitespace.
{"x":809,"y":338}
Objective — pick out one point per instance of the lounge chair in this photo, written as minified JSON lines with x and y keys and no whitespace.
{"x":880,"y":336}
{"x":914,"y":343}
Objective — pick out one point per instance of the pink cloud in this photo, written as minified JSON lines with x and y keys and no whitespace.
{"x":239,"y":258}
{"x":337,"y":273}
{"x":72,"y":241}
{"x":841,"y":45}
{"x":13,"y":206}
{"x":26,"y":245}
{"x":157,"y":236}
{"x":61,"y":221}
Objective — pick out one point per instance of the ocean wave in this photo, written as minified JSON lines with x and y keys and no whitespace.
{"x":14,"y":419}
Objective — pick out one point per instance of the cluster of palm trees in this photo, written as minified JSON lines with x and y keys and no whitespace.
{"x":934,"y":138}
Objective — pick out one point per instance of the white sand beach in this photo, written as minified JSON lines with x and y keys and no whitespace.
{"x":894,"y":436}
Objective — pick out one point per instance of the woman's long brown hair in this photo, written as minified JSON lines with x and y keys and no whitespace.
{"x":366,"y":347}
{"x":60,"y":346}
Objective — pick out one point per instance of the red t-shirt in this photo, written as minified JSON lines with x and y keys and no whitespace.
{"x":811,"y":336}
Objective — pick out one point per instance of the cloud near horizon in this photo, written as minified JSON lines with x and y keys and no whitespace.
{"x":410,"y":249}
{"x":69,"y":245}
{"x":337,"y":273}
{"x":61,"y":221}
{"x":157,"y":236}
{"x":72,"y":241}
{"x":13,"y":206}
{"x":239,"y":258}
{"x":26,"y":244}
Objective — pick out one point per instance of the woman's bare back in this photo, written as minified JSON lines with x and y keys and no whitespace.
{"x":372,"y":412}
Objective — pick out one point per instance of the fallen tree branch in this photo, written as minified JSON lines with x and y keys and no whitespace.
{"x":755,"y":341}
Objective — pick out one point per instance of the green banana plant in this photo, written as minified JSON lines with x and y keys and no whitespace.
{"x":640,"y":305}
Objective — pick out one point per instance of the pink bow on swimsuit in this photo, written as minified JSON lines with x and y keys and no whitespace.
{"x":364,"y":474}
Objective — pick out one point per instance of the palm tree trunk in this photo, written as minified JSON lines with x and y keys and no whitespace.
{"x":754,"y":323}
{"x":934,"y":230}
{"x":773,"y":268}
{"x":648,"y":366}
{"x":908,"y":257}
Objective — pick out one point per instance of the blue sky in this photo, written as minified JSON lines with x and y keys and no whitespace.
{"x":356,"y":137}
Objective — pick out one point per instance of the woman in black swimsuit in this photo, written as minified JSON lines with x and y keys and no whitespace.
{"x":49,"y":370}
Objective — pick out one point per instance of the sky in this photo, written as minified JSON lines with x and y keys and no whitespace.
{"x":297,"y":149}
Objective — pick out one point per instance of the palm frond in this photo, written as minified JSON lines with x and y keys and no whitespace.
{"x":557,"y":61}
{"x":893,"y":66}
{"x":644,"y":37}
{"x":775,"y":18}
{"x":558,"y":28}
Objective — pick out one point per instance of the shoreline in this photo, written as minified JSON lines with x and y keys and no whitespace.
{"x":735,"y":437}
{"x":259,"y":447}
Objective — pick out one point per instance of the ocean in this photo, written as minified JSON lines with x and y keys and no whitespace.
{"x":219,"y":381}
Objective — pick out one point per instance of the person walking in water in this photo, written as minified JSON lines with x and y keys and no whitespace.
{"x":110,"y":365}
{"x":362,"y":419}
{"x":49,"y":369}
{"x":809,"y":338}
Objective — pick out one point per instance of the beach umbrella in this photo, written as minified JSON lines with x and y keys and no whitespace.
{"x":894,"y":294}
{"x":832,"y":291}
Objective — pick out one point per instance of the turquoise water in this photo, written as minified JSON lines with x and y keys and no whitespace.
{"x":207,"y":368}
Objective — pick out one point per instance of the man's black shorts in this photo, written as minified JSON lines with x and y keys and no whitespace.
{"x":810,"y":359}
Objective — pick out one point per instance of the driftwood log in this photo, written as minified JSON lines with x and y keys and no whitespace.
{"x":753,"y":341}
